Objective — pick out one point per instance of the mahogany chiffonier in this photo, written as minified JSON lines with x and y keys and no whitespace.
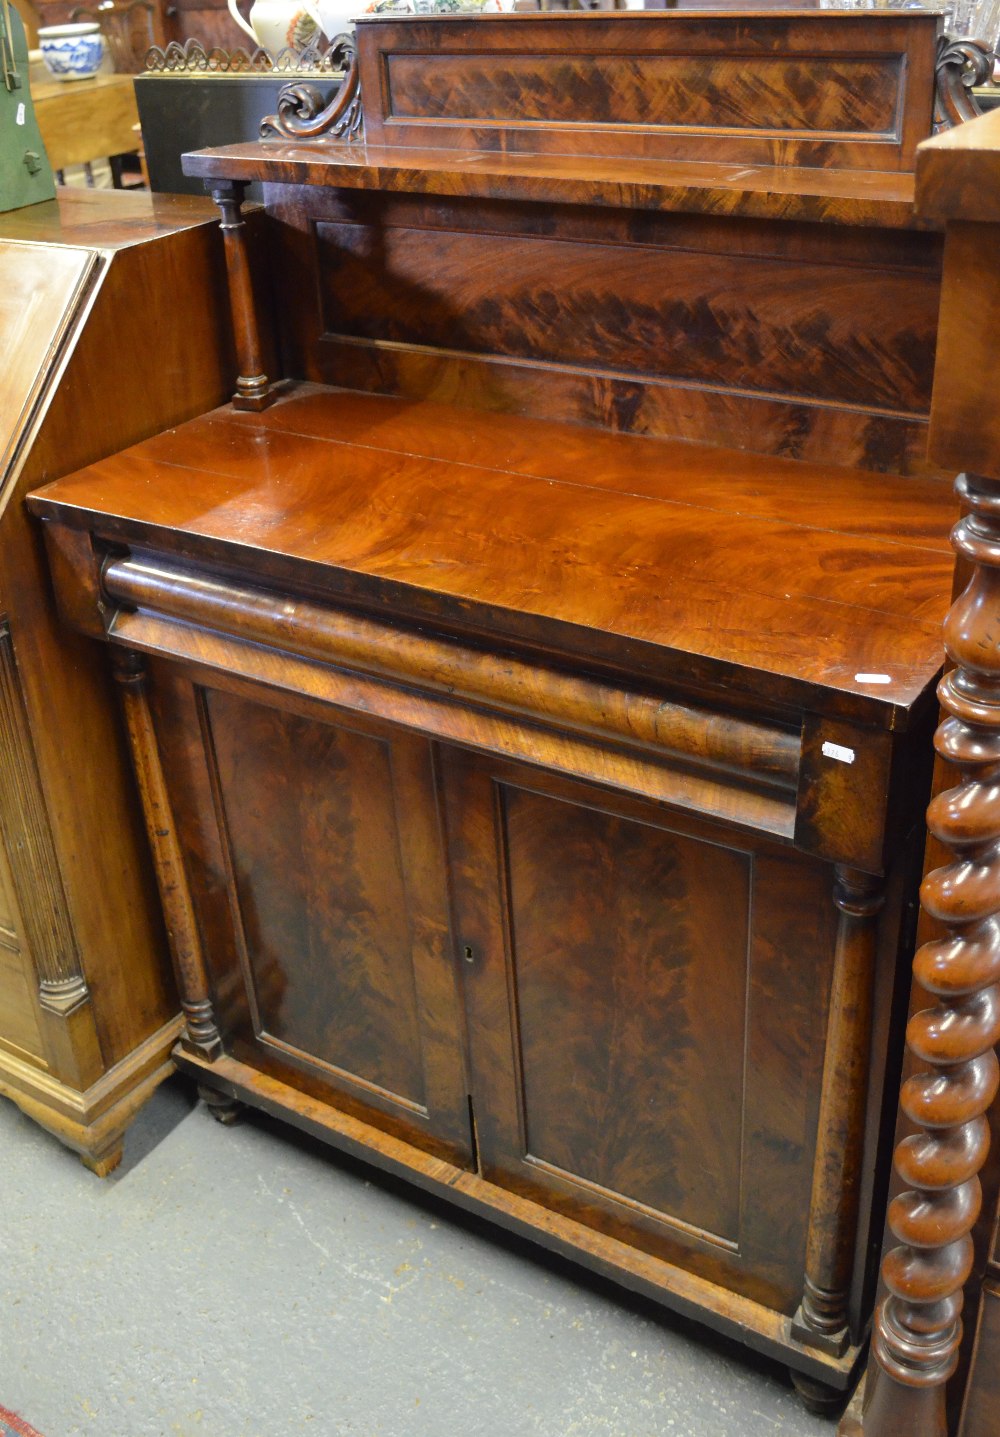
{"x":109,"y":330}
{"x":531,"y":692}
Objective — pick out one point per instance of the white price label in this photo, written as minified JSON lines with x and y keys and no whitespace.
{"x":838,"y":751}
{"x":20,"y":113}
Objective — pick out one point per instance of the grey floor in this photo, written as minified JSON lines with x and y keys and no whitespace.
{"x":244,"y":1282}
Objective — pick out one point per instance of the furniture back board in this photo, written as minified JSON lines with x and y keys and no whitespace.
{"x":690,"y":312}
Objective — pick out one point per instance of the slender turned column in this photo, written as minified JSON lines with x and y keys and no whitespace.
{"x":822,"y":1318}
{"x":182,"y":929}
{"x":918,"y":1325}
{"x":252,"y":385}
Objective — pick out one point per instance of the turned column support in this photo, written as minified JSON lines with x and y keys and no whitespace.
{"x":822,"y":1318}
{"x":253,"y":388}
{"x":202,"y":1035}
{"x":918,"y":1324}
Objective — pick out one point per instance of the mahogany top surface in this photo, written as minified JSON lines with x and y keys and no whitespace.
{"x":787,"y":192}
{"x":105,"y":219}
{"x":682,"y":561}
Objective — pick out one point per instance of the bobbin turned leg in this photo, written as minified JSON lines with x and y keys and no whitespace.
{"x":223,"y":1108}
{"x":816,"y":1396}
{"x":253,"y":388}
{"x":918,"y":1325}
{"x":822,"y":1318}
{"x":202,"y":1035}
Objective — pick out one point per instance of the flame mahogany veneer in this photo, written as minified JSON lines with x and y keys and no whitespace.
{"x":531,"y":692}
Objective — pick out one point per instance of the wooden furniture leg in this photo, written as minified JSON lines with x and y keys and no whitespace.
{"x":918,"y":1325}
{"x":223,"y":1108}
{"x":202,"y":1035}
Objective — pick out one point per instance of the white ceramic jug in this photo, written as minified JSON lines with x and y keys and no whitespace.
{"x":276,"y":25}
{"x":336,"y":17}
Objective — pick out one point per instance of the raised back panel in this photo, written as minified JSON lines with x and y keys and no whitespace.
{"x":806,"y":341}
{"x":801,"y":88}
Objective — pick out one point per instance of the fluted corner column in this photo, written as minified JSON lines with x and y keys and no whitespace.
{"x":918,"y":1325}
{"x":202,"y":1034}
{"x":73,"y":1048}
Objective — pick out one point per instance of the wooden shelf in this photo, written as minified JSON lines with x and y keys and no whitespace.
{"x":848,"y":197}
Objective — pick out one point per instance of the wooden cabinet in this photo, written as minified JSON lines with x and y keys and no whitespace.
{"x":88,"y":1009}
{"x":530,"y":695}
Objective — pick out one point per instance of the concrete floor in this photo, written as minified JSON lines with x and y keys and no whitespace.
{"x":245,"y":1282}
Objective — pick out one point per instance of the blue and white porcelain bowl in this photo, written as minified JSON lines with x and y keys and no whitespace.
{"x":72,"y":52}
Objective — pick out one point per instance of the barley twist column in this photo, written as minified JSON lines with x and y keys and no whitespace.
{"x":918,"y":1326}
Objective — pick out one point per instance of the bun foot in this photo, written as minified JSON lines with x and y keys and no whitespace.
{"x":224,"y":1109}
{"x":104,"y":1160}
{"x":816,"y":1397}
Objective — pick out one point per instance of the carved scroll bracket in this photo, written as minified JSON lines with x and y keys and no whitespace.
{"x":302,"y":114}
{"x":961,"y":65}
{"x":918,"y":1325}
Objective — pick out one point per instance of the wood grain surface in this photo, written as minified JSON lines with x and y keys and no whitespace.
{"x":820,"y":88}
{"x":113,"y":221}
{"x":685,"y":310}
{"x":87,"y":119}
{"x":339,"y":978}
{"x":648,"y":1108}
{"x":956,"y":173}
{"x":313,"y":835}
{"x":773,"y":338}
{"x":622,"y":557}
{"x":849,"y":94}
{"x":757,"y":190}
{"x":40,"y":293}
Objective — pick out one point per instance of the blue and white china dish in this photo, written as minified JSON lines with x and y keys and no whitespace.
{"x":72,"y":52}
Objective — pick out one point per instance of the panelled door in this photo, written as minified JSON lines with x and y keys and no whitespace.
{"x":321,"y":890}
{"x":646,"y":1001}
{"x":633,"y":1001}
